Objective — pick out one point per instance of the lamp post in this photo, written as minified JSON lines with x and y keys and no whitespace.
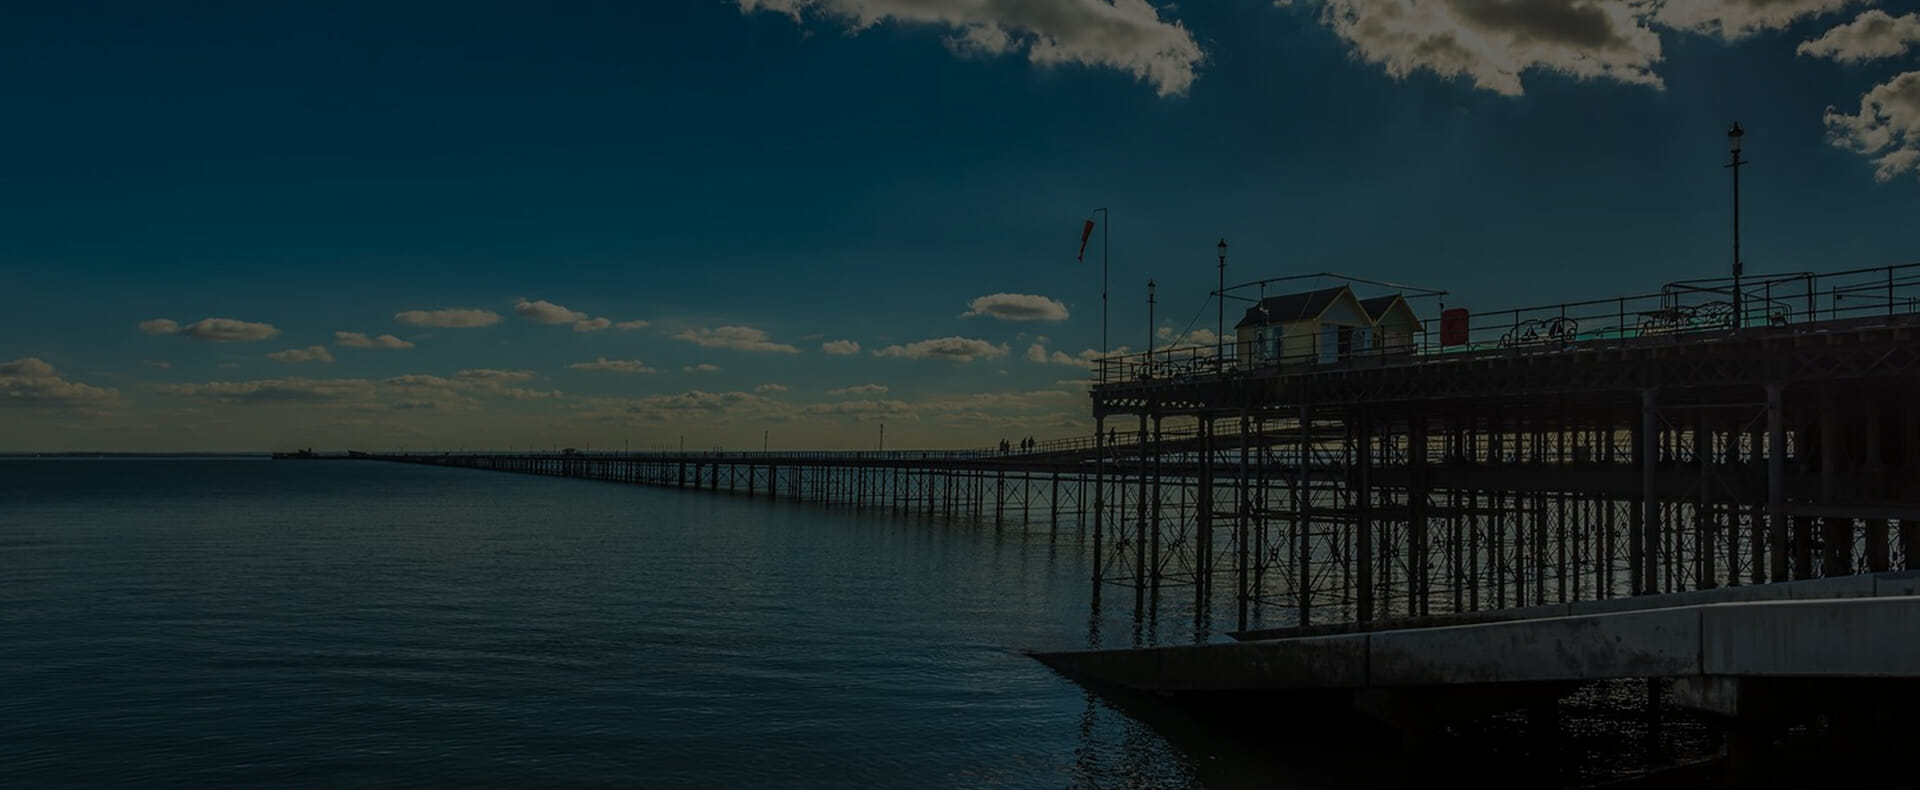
{"x":1734,"y":163}
{"x":1149,"y":321}
{"x":1220,"y":325}
{"x":1105,"y":218}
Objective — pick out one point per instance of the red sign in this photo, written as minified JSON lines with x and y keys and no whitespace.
{"x":1453,"y":327}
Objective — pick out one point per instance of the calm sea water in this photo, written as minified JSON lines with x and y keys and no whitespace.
{"x":258,"y":623}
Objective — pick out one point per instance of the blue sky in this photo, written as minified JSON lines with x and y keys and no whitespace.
{"x":753,"y":179}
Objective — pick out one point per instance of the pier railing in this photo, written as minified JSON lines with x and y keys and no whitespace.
{"x":1685,"y":308}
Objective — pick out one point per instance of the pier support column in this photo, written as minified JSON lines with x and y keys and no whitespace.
{"x":1153,"y":523}
{"x":1100,"y":498}
{"x":1419,"y":583}
{"x":1876,"y":539}
{"x":1242,"y":522}
{"x":1776,"y":482}
{"x":1909,"y":544}
{"x":1140,"y":523}
{"x":1649,"y":450}
{"x":1363,"y":529}
{"x":1303,"y":577}
{"x":1803,"y":546}
{"x":1706,"y":536}
{"x":1203,"y":542}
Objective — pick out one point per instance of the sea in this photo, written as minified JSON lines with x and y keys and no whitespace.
{"x":252,"y":623}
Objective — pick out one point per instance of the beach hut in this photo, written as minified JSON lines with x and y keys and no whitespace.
{"x":1321,"y":326}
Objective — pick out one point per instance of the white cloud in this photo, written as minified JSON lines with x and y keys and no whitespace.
{"x":1038,"y":354}
{"x":424,"y":380}
{"x":863,"y":409}
{"x":27,"y":367}
{"x":862,"y":389}
{"x":592,"y":325}
{"x":360,"y":340}
{"x":958,"y":349}
{"x":545,"y":312}
{"x":1126,"y":35}
{"x":772,"y":388}
{"x":840,"y":347}
{"x":1873,"y":34}
{"x":1194,"y":338}
{"x":308,"y":354}
{"x":1493,"y":42}
{"x":487,"y":375}
{"x":1017,"y":307}
{"x":634,"y":324}
{"x":276,"y":390}
{"x":680,"y":406}
{"x":1887,"y":126}
{"x":743,"y":338}
{"x":514,"y":393}
{"x":704,"y":367}
{"x":212,"y":330}
{"x":32,"y":383}
{"x":449,"y":318}
{"x":616,"y":365}
{"x":1737,"y":18}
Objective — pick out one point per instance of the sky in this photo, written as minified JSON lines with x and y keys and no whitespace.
{"x":786,"y":223}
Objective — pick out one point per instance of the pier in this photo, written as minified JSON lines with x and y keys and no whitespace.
{"x":1650,"y":486}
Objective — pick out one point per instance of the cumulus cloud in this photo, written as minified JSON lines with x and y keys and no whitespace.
{"x":492,"y":375}
{"x":1039,"y":354}
{"x":862,"y":409}
{"x":616,"y":365}
{"x":1492,"y":42}
{"x":212,"y":330}
{"x":699,"y":403}
{"x":283,"y":390}
{"x":516,"y":393}
{"x":1874,"y":34}
{"x":634,"y":324}
{"x":592,"y":325}
{"x":1017,"y":307}
{"x":545,"y":312}
{"x":703,"y":367}
{"x":772,"y":388}
{"x":958,"y":349}
{"x":454,"y":390}
{"x":862,"y":389}
{"x":30,"y":382}
{"x":1194,"y":338}
{"x":743,"y":338}
{"x":26,"y":367}
{"x":449,"y":318}
{"x":840,"y":347}
{"x":360,"y":340}
{"x":423,"y":380}
{"x":1125,"y":35}
{"x":308,"y":354}
{"x":1736,"y":18}
{"x":1886,"y":127}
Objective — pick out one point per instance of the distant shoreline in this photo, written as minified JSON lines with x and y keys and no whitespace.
{"x":103,"y":456}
